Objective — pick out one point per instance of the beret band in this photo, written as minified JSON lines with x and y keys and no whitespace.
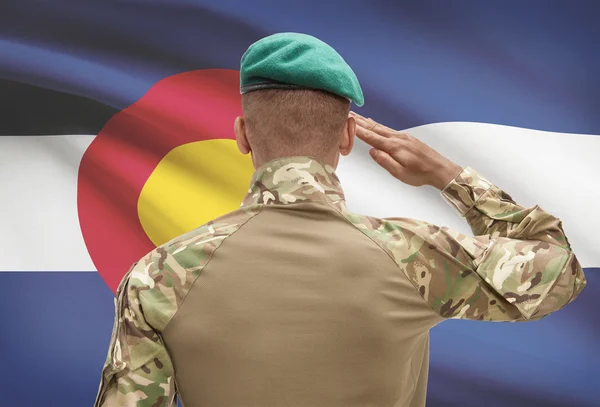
{"x":269,"y":85}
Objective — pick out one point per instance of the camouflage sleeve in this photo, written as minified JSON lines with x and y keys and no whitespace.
{"x":518,"y":266}
{"x":138,"y":371}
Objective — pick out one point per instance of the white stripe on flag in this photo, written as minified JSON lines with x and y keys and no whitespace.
{"x":38,"y":179}
{"x":38,"y":210}
{"x":557,"y":171}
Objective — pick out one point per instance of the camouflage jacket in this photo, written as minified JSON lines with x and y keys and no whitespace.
{"x":518,"y":266}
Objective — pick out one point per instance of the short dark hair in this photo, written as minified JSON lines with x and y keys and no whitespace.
{"x":284,"y":122}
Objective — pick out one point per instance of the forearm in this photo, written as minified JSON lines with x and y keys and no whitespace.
{"x":529,"y":259}
{"x":491,"y":211}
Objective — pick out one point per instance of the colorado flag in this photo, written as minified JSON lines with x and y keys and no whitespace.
{"x":117,"y":135}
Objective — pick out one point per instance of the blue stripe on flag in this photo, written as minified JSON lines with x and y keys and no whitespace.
{"x":57,"y":328}
{"x":528,"y":64}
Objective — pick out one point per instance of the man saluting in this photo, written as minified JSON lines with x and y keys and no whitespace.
{"x":293,"y":300}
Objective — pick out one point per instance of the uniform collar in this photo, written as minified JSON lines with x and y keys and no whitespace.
{"x":294,"y":179}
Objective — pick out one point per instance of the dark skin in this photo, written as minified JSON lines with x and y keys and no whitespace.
{"x":405,"y":157}
{"x":346,"y":142}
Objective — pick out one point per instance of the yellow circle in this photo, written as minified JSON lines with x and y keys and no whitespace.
{"x":193,"y":184}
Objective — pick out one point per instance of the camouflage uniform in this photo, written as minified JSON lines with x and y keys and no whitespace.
{"x":294,"y":300}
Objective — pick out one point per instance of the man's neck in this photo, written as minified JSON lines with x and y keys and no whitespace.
{"x":328,"y":159}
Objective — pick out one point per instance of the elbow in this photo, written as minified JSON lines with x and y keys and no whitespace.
{"x":575,"y":278}
{"x":567,"y":286}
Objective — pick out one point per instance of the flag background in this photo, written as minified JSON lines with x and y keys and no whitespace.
{"x":67,"y":67}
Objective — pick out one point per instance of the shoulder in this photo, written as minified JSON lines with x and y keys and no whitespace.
{"x":404,"y":237}
{"x":418,"y":247}
{"x":164,"y":276}
{"x":387,"y":233}
{"x":209,"y":236}
{"x":390,"y":235}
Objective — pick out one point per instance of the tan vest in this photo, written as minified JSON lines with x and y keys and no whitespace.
{"x":293,"y":300}
{"x":299,"y":308}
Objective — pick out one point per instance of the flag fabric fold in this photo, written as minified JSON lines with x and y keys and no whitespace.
{"x":107,"y":106}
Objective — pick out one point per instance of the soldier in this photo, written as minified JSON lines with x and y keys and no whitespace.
{"x":292,"y":300}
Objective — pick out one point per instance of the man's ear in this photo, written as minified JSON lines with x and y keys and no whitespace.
{"x":241,"y":139}
{"x":347,"y":141}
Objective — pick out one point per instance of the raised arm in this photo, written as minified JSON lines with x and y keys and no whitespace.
{"x":518,"y":266}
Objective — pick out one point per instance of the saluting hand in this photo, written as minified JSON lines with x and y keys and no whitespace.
{"x":404,"y":156}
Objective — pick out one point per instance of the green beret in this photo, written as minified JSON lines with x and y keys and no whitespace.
{"x":297,"y":61}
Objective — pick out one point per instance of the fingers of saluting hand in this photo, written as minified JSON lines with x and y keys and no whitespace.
{"x":372,"y":125}
{"x":375,"y":139}
{"x":361,"y":120}
{"x":377,"y":135}
{"x":388,"y":162}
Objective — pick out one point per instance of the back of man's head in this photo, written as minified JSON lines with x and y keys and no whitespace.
{"x":287,"y":122}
